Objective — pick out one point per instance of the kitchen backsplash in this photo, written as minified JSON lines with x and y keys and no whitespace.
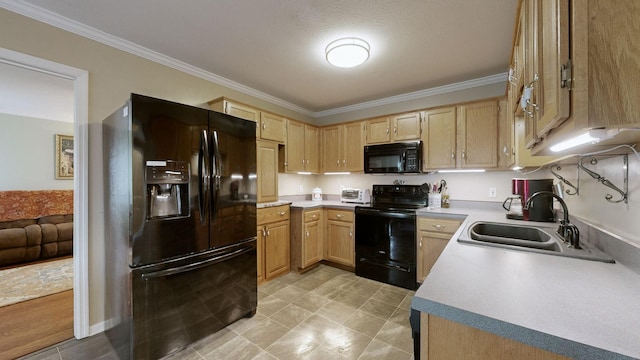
{"x":591,"y":206}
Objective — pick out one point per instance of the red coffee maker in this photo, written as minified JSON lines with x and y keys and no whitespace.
{"x":540,"y":209}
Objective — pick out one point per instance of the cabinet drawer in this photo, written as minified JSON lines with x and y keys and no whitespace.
{"x":311,"y":215}
{"x":448,"y":226}
{"x":340,"y":215}
{"x":272,"y":214}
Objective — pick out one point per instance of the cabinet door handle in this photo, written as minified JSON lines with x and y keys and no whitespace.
{"x":395,"y":129}
{"x":350,"y":232}
{"x":264,"y":232}
{"x":453,"y":155}
{"x":421,"y":238}
{"x":338,"y":162}
{"x":314,"y":216}
{"x":264,"y":125}
{"x":439,"y":226}
{"x":307,"y":233}
{"x":344,"y":161}
{"x":464,"y":155}
{"x":282,"y":213}
{"x":387,"y":130}
{"x":302,"y":161}
{"x":307,"y":161}
{"x":339,"y":216}
{"x":268,"y":232}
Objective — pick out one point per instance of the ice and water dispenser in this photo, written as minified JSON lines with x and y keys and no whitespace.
{"x":167,"y":189}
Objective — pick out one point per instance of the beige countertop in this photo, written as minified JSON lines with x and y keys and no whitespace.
{"x":579,"y":308}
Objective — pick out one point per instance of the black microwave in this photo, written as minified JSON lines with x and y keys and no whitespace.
{"x":395,"y":158}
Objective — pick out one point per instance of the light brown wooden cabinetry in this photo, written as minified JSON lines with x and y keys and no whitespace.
{"x":477,"y":135}
{"x":340,"y":237}
{"x":273,"y":242}
{"x":393,"y":128}
{"x":302,"y":147}
{"x":433,"y":236}
{"x":604,"y":84}
{"x":267,"y":165}
{"x":465,"y":136}
{"x":269,"y":126}
{"x":439,"y":138}
{"x":272,"y":127}
{"x":307,"y":238}
{"x":444,"y":339}
{"x":506,"y":135}
{"x":342,"y":147}
{"x":546,"y":45}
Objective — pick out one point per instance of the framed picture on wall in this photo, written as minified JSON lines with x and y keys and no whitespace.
{"x":64,"y":157}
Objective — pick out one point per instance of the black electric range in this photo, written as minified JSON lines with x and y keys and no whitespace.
{"x":386,"y":235}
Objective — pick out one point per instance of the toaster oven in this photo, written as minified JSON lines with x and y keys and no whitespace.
{"x":359,"y":196}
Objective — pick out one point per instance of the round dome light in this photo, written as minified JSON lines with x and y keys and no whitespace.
{"x":347,"y":52}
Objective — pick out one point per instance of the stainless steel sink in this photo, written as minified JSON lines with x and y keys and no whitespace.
{"x":539,"y":239}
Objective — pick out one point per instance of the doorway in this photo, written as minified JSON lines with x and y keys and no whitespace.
{"x":80,"y":79}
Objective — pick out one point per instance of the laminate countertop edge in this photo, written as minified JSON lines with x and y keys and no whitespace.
{"x":578,"y":308}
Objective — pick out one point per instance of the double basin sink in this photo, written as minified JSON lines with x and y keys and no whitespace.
{"x":539,"y":239}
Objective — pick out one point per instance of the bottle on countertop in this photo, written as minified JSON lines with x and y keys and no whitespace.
{"x":316,"y":194}
{"x":445,"y":198}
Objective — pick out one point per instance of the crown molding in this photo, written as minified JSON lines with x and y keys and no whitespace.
{"x":56,"y":20}
{"x":487,"y":80}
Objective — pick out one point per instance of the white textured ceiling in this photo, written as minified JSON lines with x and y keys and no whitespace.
{"x":277,"y":46}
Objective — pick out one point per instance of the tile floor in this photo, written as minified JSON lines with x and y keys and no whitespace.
{"x":326,"y":313}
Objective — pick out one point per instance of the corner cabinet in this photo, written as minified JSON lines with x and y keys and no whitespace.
{"x":273,"y":242}
{"x":433,"y":236}
{"x":343,"y":147}
{"x":340,"y":237}
{"x":302,"y":148}
{"x":307,"y":238}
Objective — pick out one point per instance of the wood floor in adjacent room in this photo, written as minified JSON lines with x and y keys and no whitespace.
{"x":35,"y":324}
{"x":325,"y":313}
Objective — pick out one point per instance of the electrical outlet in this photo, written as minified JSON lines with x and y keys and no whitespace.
{"x":492,"y":192}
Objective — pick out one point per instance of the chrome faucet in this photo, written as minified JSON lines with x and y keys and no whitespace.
{"x":569,"y":232}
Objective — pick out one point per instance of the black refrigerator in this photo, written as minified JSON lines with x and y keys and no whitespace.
{"x":180,"y":225}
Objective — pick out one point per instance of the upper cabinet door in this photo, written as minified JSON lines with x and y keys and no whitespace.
{"x":295,"y":147}
{"x":353,"y":150}
{"x":478,"y":135}
{"x":378,"y":131}
{"x":439,"y":139}
{"x":311,"y":148}
{"x":331,"y":159}
{"x":406,"y":127}
{"x":553,"y":103}
{"x":272,"y":127}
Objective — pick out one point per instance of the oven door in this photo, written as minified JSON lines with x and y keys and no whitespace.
{"x":386,"y":246}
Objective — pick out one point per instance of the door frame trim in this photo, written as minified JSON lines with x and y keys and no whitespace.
{"x":80,"y":80}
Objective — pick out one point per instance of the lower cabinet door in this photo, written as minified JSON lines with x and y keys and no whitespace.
{"x":340,"y":243}
{"x":276,"y":249}
{"x":311,"y":244}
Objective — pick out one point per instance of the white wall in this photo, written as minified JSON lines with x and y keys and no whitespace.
{"x":462,"y":186}
{"x":621,"y":219}
{"x":27,"y":146}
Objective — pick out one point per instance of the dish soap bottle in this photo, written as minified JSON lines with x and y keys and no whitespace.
{"x":445,"y":198}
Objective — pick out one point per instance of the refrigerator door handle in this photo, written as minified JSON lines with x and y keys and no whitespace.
{"x":198,"y":265}
{"x":216,"y":169}
{"x":203,"y":176}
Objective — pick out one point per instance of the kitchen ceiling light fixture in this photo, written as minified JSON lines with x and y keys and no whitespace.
{"x":347,"y":52}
